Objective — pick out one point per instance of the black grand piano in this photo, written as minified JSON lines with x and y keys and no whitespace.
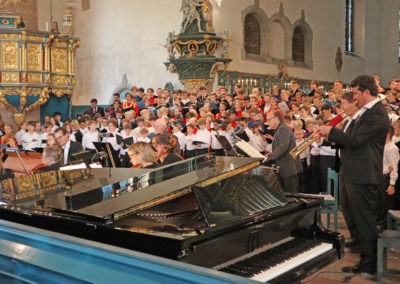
{"x":223,"y":213}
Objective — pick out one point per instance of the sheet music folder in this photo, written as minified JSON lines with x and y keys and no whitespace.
{"x":127,"y":141}
{"x":109,"y":150}
{"x":249,"y":150}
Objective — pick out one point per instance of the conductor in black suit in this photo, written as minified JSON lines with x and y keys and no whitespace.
{"x":69,"y":147}
{"x":362,"y":163}
{"x":95,"y":108}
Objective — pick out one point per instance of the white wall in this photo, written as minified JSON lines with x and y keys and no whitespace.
{"x":126,"y":36}
{"x":123,"y":36}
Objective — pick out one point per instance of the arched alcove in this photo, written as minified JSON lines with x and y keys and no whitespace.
{"x":277,"y":41}
{"x":307,"y":33}
{"x":254,"y":20}
{"x":279,"y":25}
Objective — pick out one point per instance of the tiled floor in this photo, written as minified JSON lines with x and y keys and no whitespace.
{"x":333,"y":273}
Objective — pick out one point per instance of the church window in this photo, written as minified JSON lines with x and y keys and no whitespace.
{"x":298,"y":45}
{"x":252,"y":35}
{"x":349,"y":25}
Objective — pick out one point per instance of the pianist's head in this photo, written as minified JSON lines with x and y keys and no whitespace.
{"x":142,"y":154}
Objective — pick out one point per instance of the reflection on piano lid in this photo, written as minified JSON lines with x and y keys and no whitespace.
{"x":205,"y":211}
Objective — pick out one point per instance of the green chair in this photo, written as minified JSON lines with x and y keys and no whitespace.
{"x":331,"y":200}
{"x":390,"y":238}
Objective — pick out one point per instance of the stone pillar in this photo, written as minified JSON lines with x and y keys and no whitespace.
{"x":28,"y":10}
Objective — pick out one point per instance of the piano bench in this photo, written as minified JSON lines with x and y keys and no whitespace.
{"x":389,"y":239}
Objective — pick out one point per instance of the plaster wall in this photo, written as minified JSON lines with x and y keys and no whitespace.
{"x":127,"y":36}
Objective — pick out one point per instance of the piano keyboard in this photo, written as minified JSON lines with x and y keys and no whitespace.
{"x":268,"y":263}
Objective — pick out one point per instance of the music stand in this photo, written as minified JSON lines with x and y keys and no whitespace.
{"x":112,"y":159}
{"x":84,"y":156}
{"x":226,"y":145}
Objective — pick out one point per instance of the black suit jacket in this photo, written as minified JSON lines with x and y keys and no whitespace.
{"x":74,"y":148}
{"x":99,"y":110}
{"x":363,"y":144}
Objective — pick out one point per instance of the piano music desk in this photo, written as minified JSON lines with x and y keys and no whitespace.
{"x":30,"y":159}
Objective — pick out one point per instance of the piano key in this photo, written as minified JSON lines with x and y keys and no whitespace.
{"x":297,"y":260}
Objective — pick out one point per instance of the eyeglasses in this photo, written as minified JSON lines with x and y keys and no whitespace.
{"x":133,"y":154}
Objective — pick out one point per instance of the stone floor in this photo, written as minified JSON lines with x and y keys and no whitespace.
{"x":333,"y":272}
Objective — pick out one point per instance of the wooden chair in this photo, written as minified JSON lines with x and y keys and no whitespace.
{"x":390,"y":238}
{"x":331,"y":200}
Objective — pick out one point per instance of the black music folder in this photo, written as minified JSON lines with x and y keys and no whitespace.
{"x":226,"y":145}
{"x":112,"y":155}
{"x":127,"y":141}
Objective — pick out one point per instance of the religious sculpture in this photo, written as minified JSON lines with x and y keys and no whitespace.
{"x":191,"y":13}
{"x":338,"y":59}
{"x":169,"y":45}
{"x":196,"y":62}
{"x":225,"y":43}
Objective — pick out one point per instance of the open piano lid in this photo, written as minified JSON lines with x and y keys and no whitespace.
{"x":109,"y":194}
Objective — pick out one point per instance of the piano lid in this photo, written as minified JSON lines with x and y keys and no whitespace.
{"x":111,"y":193}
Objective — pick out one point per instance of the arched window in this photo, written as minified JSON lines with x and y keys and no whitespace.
{"x":298,"y":45}
{"x":252,"y":35}
{"x":349,"y":32}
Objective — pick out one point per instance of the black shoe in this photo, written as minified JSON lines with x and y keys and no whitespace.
{"x":368,"y":270}
{"x":355,"y":249}
{"x":351,"y":243}
{"x":352,"y":269}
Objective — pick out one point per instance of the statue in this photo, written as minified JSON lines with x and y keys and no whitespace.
{"x":170,"y":46}
{"x":282,"y":71}
{"x":52,"y":25}
{"x":191,"y":13}
{"x":225,"y":43}
{"x":338,"y":59}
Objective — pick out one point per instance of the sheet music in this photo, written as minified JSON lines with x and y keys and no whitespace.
{"x":249,"y":150}
{"x":74,"y":167}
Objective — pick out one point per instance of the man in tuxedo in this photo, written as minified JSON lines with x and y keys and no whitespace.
{"x":69,"y":147}
{"x":362,"y":163}
{"x":95,"y":108}
{"x":282,"y":143}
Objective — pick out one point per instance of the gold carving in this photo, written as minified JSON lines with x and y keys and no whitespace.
{"x":59,"y":60}
{"x":9,"y":36}
{"x":9,"y":3}
{"x":34,"y":57}
{"x":188,"y":83}
{"x":19,"y":118}
{"x":211,"y":46}
{"x":34,"y":78}
{"x":24,"y":183}
{"x":193,"y":48}
{"x":9,"y":55}
{"x":60,"y":80}
{"x":10,"y":77}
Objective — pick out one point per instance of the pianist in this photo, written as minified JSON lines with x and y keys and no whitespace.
{"x":51,"y":158}
{"x":143,"y":155}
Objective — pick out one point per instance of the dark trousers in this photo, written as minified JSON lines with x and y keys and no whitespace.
{"x":364,"y":209}
{"x":345,"y":204}
{"x":304,"y":176}
{"x":386,"y":201}
{"x":290,"y":184}
{"x":315,"y":175}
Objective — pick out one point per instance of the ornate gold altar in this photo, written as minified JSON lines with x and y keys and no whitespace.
{"x":33,"y":65}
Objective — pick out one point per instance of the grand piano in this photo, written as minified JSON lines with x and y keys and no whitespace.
{"x":223,"y":213}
